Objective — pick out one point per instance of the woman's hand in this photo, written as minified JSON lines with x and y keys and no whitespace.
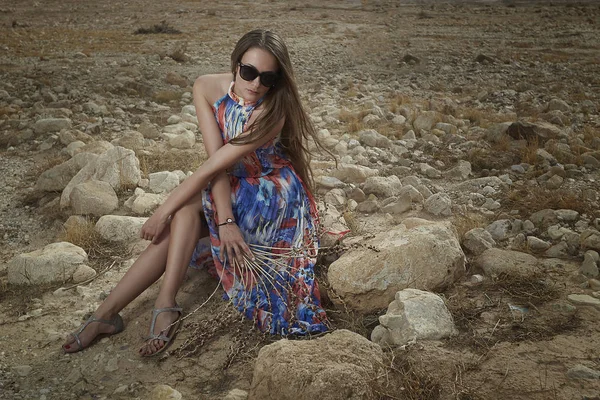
{"x":154,"y":226}
{"x":233,"y":244}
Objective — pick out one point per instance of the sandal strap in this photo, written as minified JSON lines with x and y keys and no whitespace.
{"x":117,"y":322}
{"x":155,"y":313}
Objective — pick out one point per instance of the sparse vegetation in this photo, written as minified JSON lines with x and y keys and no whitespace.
{"x":163,"y":27}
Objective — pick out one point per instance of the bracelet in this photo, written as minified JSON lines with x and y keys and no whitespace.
{"x":227,"y":222}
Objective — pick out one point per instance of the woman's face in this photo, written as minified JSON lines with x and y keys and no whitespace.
{"x":263,"y":61}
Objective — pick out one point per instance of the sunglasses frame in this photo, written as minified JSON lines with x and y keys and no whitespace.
{"x":260,"y":75}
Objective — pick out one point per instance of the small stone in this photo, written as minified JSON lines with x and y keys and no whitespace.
{"x":476,"y":279}
{"x":589,"y":266}
{"x":165,"y":392}
{"x":112,"y":365}
{"x":83,"y":273}
{"x":594,"y":284}
{"x":584,"y":300}
{"x":536,"y":244}
{"x":582,"y":372}
{"x":236,"y":394}
{"x":23,"y":370}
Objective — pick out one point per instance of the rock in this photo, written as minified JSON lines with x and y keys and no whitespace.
{"x":590,"y":239}
{"x":425,"y":257}
{"x":589,"y":267}
{"x":173,"y":78}
{"x":554,"y":182}
{"x":351,"y":173}
{"x":49,"y":125}
{"x":558,"y":105}
{"x":539,"y":131}
{"x":144,"y":203}
{"x":475,"y":185}
{"x":429,"y":171}
{"x":426,"y":120}
{"x":22,"y":370}
{"x":70,"y":136}
{"x":117,"y":166}
{"x":358,"y":195}
{"x":496,"y":133}
{"x":329,"y":182}
{"x":57,"y":177}
{"x":439,"y":204}
{"x":236,"y":394}
{"x":83,"y":273}
{"x":584,"y":300}
{"x":398,"y":205}
{"x":73,"y":147}
{"x":544,"y":218}
{"x":368,"y":206}
{"x":461,"y":172}
{"x":399,"y":120}
{"x":536,"y":244}
{"x":478,"y":240}
{"x":345,"y":368}
{"x":414,"y":314}
{"x":132,"y":140}
{"x":371,"y":137}
{"x":448,"y":129}
{"x":559,"y":250}
{"x":413,"y":193}
{"x":96,"y":147}
{"x":56,"y":262}
{"x":582,"y":372}
{"x":182,"y":140}
{"x":93,"y":198}
{"x":149,"y":130}
{"x":336,"y":197}
{"x":164,"y":392}
{"x":120,"y":228}
{"x":163,"y":182}
{"x":495,"y":262}
{"x":382,"y":186}
{"x":500,"y":229}
{"x":76,"y":222}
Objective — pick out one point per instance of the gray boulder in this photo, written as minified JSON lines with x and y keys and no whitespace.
{"x":382,"y":186}
{"x":425,"y":256}
{"x":49,"y":125}
{"x":57,"y":177}
{"x":494,"y":262}
{"x":414,"y":315}
{"x":351,"y":173}
{"x":54,"y":263}
{"x":339,"y":366}
{"x":120,"y":228}
{"x":94,"y":198}
{"x":478,"y":240}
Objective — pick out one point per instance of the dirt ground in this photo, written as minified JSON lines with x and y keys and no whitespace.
{"x":419,"y":51}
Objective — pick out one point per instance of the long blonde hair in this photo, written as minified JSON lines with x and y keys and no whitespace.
{"x":281,"y":101}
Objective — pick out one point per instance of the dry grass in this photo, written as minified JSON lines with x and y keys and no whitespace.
{"x":465,"y":222}
{"x":405,"y":378}
{"x":353,"y":120}
{"x":352,"y":222}
{"x":529,"y":152}
{"x":163,"y":27}
{"x":84,"y":235}
{"x":171,"y":160}
{"x":166,"y":96}
{"x":530,"y":199}
{"x":503,"y":298}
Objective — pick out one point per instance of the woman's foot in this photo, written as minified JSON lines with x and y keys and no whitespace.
{"x":163,"y":327}
{"x":91,"y":330}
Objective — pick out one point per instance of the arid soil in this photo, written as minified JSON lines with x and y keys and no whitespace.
{"x":485,"y":62}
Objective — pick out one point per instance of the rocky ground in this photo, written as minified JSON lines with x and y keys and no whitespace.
{"x":468,"y":143}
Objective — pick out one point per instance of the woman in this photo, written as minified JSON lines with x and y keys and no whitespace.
{"x":249,"y":201}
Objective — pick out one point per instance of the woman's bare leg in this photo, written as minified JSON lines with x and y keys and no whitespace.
{"x":187,"y":226}
{"x":146,"y":270}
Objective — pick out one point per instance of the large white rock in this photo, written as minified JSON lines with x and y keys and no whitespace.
{"x":132,"y":140}
{"x":54,"y":263}
{"x":426,"y":120}
{"x":425,"y":256}
{"x":351,"y":173}
{"x":120,"y":228}
{"x":163,"y":182}
{"x":57,"y":177}
{"x":94,"y":198}
{"x":48,"y":125}
{"x":118,"y":166}
{"x":339,"y":366}
{"x":142,"y":203}
{"x":494,"y":262}
{"x":183,"y":140}
{"x":414,"y":315}
{"x":382,"y":186}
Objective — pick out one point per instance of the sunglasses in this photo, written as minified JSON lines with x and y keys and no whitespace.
{"x":249,"y":73}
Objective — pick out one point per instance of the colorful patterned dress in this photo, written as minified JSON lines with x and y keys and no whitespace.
{"x":277,"y":217}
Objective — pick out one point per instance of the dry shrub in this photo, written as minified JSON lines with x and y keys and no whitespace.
{"x":84,"y":235}
{"x":530,"y":199}
{"x":171,"y":160}
{"x":529,"y":152}
{"x":178,"y":52}
{"x":163,"y":27}
{"x":165,"y":96}
{"x":589,"y":134}
{"x":353,"y":120}
{"x":405,"y":378}
{"x":465,"y":222}
{"x":352,"y":222}
{"x":45,"y":164}
{"x":504,"y":143}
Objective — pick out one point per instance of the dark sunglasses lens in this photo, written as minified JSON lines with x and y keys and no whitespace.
{"x":268,"y":79}
{"x":248,"y":73}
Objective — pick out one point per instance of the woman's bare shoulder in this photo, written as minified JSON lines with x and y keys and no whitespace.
{"x":212,"y":86}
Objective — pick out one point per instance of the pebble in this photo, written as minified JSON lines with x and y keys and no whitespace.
{"x":584,"y":299}
{"x":23,"y":370}
{"x":582,"y":372}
